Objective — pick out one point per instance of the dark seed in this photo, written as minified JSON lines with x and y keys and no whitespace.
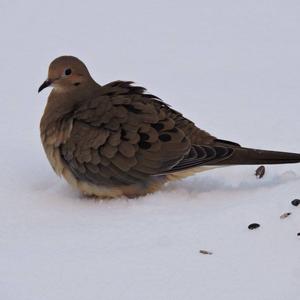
{"x":205,"y":252}
{"x":285,"y":215}
{"x":298,"y":234}
{"x":77,"y":83}
{"x":296,"y":202}
{"x":260,"y":172}
{"x":253,"y":226}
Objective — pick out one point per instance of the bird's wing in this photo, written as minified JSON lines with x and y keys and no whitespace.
{"x":124,"y":135}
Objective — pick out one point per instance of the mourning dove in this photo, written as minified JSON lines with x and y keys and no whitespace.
{"x":116,"y":139}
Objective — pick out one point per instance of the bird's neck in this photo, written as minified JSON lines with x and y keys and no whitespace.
{"x":62,"y":102}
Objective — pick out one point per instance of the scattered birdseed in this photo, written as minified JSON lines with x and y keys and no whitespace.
{"x":296,"y":202}
{"x":285,"y":215}
{"x":253,"y":226}
{"x":205,"y":252}
{"x":260,"y":172}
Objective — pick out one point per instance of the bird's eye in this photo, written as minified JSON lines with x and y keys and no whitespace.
{"x":68,"y":72}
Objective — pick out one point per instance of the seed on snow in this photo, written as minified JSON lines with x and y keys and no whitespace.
{"x":205,"y":252}
{"x":296,"y":202}
{"x":253,"y":226}
{"x":285,"y":215}
{"x":260,"y":172}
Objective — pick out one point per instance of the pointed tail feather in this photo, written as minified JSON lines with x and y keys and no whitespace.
{"x":248,"y":156}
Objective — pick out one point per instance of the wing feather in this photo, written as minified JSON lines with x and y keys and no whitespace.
{"x":124,"y":136}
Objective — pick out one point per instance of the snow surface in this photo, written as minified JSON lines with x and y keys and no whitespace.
{"x":231,"y":66}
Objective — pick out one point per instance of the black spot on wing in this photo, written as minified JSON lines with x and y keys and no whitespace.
{"x":158,"y":126}
{"x":144,"y":136}
{"x":144,"y":145}
{"x":123,"y":135}
{"x":131,"y":108}
{"x":165,"y":137}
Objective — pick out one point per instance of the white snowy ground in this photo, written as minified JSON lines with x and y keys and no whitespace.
{"x":234,"y":68}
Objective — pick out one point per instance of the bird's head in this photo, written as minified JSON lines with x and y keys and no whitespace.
{"x":66,"y":73}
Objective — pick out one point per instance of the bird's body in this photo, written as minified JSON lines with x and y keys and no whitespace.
{"x":116,"y":140}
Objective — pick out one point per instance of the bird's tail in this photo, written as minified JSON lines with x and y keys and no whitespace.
{"x":248,"y":156}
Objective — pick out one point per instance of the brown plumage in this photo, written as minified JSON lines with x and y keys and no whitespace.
{"x":116,"y":140}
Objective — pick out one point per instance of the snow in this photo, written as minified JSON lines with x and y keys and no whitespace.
{"x":233,"y":68}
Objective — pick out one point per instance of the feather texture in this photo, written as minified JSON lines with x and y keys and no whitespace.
{"x":117,"y":140}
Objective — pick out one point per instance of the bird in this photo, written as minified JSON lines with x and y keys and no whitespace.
{"x":117,"y":140}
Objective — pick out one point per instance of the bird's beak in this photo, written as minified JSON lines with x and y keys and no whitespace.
{"x":45,"y":84}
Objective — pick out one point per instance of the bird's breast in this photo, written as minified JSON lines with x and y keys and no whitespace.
{"x":52,"y":137}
